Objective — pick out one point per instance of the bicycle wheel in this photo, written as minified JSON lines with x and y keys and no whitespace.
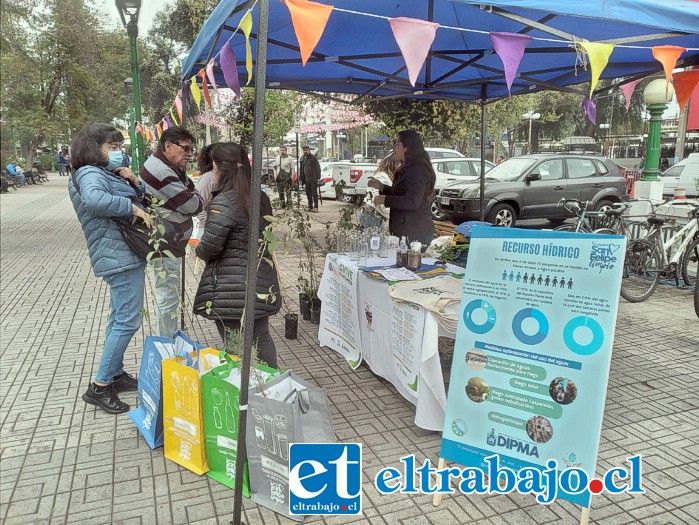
{"x":571,"y":228}
{"x":641,"y":271}
{"x":606,"y":231}
{"x":690,"y":263}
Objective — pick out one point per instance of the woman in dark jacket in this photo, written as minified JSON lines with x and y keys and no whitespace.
{"x":410,"y":197}
{"x":224,"y":248}
{"x":101,"y":190}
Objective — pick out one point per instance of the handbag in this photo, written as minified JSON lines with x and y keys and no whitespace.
{"x":144,"y":242}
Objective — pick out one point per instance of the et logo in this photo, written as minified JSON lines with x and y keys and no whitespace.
{"x":325,"y":478}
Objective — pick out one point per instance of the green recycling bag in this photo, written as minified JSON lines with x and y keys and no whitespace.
{"x":221,"y":403}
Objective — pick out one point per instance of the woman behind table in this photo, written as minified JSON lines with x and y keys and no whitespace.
{"x":410,"y":197}
{"x":372,"y":215}
{"x":224,"y":248}
{"x":104,"y":190}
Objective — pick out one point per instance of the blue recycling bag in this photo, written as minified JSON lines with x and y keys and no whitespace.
{"x":148,"y":417}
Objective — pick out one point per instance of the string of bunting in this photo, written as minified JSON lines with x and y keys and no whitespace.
{"x":414,"y":38}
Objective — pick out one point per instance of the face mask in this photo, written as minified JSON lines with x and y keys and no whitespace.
{"x":116,"y":159}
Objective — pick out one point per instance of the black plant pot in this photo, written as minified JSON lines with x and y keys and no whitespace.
{"x":315,"y":311}
{"x":291,"y":326}
{"x":305,"y":307}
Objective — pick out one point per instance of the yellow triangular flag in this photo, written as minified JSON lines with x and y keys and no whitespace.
{"x":598,"y":55}
{"x":246,"y":27}
{"x":174,"y":118}
{"x":196,"y":93}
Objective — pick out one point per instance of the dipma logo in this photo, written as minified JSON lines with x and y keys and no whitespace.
{"x":546,"y":483}
{"x":325,"y":478}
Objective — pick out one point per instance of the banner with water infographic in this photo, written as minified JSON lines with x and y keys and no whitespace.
{"x":533,"y":349}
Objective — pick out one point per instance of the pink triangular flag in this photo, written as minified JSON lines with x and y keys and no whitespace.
{"x":510,"y":48}
{"x":414,"y":38}
{"x":588,"y":106}
{"x":178,"y":104}
{"x":212,"y":78}
{"x":628,"y":91}
{"x":230,"y":69}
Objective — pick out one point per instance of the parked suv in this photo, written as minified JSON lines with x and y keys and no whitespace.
{"x":454,"y":169}
{"x":530,"y":186}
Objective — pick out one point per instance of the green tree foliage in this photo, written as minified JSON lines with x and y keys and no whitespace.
{"x":58,"y":69}
{"x":280,"y":108}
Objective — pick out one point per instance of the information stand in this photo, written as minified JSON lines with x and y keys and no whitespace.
{"x":533,"y":351}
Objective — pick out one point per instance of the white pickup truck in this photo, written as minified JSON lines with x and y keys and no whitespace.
{"x":354,"y":175}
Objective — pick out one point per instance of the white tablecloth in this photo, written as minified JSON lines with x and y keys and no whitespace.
{"x":399,"y":341}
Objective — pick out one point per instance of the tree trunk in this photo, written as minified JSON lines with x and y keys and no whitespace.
{"x":33,"y":144}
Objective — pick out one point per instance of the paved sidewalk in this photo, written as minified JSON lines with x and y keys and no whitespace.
{"x":63,"y":461}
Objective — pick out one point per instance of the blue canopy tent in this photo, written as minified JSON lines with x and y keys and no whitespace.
{"x":358,"y":54}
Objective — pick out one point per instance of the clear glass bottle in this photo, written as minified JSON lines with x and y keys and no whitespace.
{"x":342,"y":241}
{"x":383,"y":245}
{"x":354,"y":247}
{"x":363,"y":252}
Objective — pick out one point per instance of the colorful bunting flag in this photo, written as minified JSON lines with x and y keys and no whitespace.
{"x":588,"y":106}
{"x":178,"y":104}
{"x":628,"y":91}
{"x":598,"y":55}
{"x":185,"y":97}
{"x":246,"y":27}
{"x":168,"y":122}
{"x":159,"y":129}
{"x":685,"y":82}
{"x":212,"y":78}
{"x":414,"y":38}
{"x":205,"y":87}
{"x":195,"y":91}
{"x":174,"y":118}
{"x":510,"y":48}
{"x":667,"y":56}
{"x":230,"y":69}
{"x":309,"y":20}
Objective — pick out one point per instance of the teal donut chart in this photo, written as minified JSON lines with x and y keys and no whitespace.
{"x":539,"y":317}
{"x":468,"y":316}
{"x":589,"y":323}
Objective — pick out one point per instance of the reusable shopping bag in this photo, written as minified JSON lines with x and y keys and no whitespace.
{"x":148,"y":417}
{"x":183,"y":419}
{"x":221,"y":402}
{"x":288,"y":410}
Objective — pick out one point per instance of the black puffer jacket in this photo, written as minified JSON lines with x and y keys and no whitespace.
{"x":410,"y":202}
{"x":224,"y":248}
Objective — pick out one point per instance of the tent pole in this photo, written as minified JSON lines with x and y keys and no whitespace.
{"x":253,"y":234}
{"x":184,"y":257}
{"x":481,"y":199}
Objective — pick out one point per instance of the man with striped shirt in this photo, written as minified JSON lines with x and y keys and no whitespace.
{"x":165,"y":177}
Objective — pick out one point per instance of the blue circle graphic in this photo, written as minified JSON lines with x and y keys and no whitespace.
{"x":539,"y":317}
{"x":589,"y":323}
{"x":468,"y":316}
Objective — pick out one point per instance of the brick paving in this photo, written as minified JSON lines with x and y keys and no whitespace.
{"x":63,"y":461}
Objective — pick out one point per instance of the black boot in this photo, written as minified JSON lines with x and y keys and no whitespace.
{"x":105,"y":398}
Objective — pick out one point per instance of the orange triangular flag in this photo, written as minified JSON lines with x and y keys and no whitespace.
{"x":667,"y":56}
{"x":159,"y":129}
{"x":205,"y":87}
{"x":685,"y":82}
{"x":309,"y":20}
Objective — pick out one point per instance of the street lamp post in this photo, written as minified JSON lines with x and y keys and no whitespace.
{"x":129,"y":9}
{"x":128,"y":85}
{"x":530,"y":116}
{"x":657,"y":94}
{"x":606,"y":128}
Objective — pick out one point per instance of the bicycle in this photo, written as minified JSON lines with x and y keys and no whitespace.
{"x":615,"y":223}
{"x":647,"y":260}
{"x":579,"y":209}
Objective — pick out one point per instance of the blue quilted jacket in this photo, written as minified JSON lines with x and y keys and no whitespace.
{"x":103,"y":195}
